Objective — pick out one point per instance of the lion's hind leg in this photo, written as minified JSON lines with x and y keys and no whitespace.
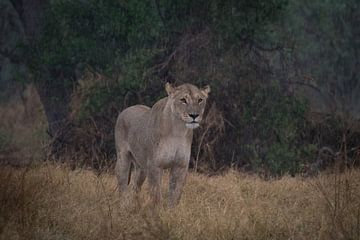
{"x":122,"y":170}
{"x":139,"y":178}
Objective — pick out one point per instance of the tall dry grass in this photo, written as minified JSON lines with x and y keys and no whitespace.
{"x":53,"y":202}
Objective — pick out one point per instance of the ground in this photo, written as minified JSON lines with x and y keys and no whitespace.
{"x":50,"y":201}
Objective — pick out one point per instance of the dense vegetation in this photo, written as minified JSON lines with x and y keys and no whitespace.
{"x":270,"y":65}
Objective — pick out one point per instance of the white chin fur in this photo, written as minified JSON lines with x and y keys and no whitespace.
{"x":192,"y":125}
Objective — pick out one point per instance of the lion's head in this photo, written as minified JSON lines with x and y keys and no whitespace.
{"x":188,"y":102}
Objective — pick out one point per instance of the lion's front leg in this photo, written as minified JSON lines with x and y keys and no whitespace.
{"x":176,"y":184}
{"x":154,"y":177}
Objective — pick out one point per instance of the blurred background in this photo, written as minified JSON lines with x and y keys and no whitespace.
{"x":284,"y":76}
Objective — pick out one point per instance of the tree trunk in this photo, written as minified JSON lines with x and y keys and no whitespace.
{"x":55,"y":94}
{"x":54,"y":87}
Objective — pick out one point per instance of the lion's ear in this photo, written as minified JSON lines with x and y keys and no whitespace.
{"x":206,"y":90}
{"x":169,"y":88}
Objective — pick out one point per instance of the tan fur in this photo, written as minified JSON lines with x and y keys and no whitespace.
{"x":157,"y":138}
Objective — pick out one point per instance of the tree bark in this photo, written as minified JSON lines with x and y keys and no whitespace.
{"x":55,"y":94}
{"x":53,"y":86}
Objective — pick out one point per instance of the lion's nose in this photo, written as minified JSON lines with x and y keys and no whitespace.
{"x":193,"y":115}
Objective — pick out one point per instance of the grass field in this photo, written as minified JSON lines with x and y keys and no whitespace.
{"x":52,"y":202}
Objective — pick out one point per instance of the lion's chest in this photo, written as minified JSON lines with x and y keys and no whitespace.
{"x":172,"y":151}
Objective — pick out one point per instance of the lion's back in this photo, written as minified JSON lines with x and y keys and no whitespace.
{"x":130,"y":119}
{"x":133,"y":113}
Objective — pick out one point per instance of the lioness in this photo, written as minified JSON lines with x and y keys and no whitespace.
{"x":157,"y":138}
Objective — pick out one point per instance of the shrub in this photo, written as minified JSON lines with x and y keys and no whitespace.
{"x":273,"y":124}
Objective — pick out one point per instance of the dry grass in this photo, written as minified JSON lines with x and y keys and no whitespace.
{"x":53,"y":202}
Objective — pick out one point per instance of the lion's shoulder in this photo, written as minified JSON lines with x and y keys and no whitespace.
{"x":159,"y":106}
{"x":133,"y":113}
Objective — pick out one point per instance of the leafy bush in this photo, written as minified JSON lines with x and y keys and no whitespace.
{"x":273,"y":123}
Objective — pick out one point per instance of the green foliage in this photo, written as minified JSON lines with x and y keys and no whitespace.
{"x":145,"y":26}
{"x":250,"y":20}
{"x":96,"y":33}
{"x":88,"y":32}
{"x":133,"y":74}
{"x":275,"y":122}
{"x":101,"y":33}
{"x":100,"y":99}
{"x":323,"y":36}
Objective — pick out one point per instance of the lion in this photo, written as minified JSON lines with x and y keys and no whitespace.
{"x":158,"y":138}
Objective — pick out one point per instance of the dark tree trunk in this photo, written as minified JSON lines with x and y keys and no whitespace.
{"x":54,"y":87}
{"x":55,"y":94}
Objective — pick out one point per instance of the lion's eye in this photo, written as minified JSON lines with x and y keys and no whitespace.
{"x":183,"y":100}
{"x":200,"y":100}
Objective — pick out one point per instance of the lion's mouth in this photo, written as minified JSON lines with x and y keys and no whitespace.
{"x":192,"y":124}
